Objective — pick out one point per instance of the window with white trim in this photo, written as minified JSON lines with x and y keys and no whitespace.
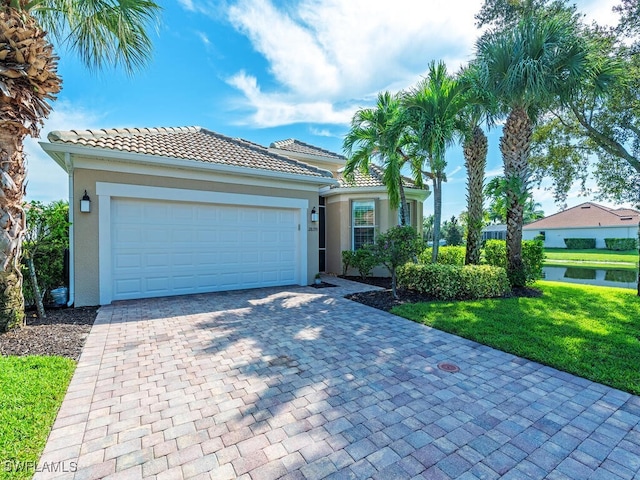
{"x":363,"y":226}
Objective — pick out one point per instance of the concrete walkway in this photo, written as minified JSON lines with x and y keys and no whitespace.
{"x":301,"y":383}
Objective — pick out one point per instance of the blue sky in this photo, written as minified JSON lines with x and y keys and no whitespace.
{"x":267,"y":70}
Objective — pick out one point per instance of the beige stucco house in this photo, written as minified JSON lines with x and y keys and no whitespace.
{"x":173,"y":211}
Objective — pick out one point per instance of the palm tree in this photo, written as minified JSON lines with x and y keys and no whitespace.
{"x":479,"y":109}
{"x":377,"y":134}
{"x":431,"y":110}
{"x":102,"y":33}
{"x":528,"y":68}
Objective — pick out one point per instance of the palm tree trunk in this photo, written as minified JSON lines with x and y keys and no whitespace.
{"x":514,"y":145}
{"x":12,"y":223}
{"x":437,"y":215}
{"x":36,"y":288}
{"x":475,"y":154}
{"x":403,"y":205}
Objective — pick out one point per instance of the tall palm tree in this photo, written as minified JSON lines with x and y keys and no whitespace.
{"x":431,"y":110}
{"x":102,"y":33}
{"x":528,"y":67}
{"x":377,"y":134}
{"x":479,"y":108}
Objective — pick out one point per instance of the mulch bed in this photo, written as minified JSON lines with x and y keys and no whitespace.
{"x":383,"y":299}
{"x":63,"y":333}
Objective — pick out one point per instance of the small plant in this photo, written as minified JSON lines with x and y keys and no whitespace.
{"x":364,"y":259}
{"x":495,"y":254}
{"x":447,"y":255}
{"x":318,"y":279}
{"x":348,"y":257}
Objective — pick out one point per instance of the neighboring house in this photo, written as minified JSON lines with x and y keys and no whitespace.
{"x":494,"y":232}
{"x":587,"y":220}
{"x":186,"y":210}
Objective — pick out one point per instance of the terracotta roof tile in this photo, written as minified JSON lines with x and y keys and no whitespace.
{"x":373,"y":179}
{"x":189,"y":143}
{"x":587,"y":214}
{"x":297,"y":146}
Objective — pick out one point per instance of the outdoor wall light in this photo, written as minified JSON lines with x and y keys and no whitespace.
{"x":85,"y":203}
{"x":314,"y":215}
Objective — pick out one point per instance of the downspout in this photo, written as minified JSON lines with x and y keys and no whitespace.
{"x":72,"y":282}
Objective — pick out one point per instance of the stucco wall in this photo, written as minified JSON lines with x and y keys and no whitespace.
{"x":554,"y":238}
{"x":85,"y":225}
{"x":338,"y":224}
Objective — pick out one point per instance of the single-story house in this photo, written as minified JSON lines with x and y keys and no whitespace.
{"x":587,"y":220}
{"x":497,"y":231}
{"x":172,"y":211}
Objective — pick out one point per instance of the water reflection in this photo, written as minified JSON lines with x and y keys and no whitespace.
{"x":592,"y":276}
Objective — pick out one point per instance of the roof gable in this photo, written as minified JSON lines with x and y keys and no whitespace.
{"x":587,"y":215}
{"x":296,"y":146}
{"x":372,"y":179}
{"x":188,"y":143}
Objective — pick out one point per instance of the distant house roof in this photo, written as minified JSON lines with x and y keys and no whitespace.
{"x":373,"y":179}
{"x":495,"y":227}
{"x":587,"y":215}
{"x":188,"y":143}
{"x":296,"y":146}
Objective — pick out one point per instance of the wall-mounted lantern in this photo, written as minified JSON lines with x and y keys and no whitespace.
{"x":314,"y":215}
{"x":85,"y":203}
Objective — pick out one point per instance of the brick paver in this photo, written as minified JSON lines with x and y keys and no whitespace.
{"x":301,"y":383}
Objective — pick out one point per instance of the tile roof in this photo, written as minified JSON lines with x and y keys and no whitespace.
{"x":373,"y":179}
{"x":587,"y":215}
{"x":189,"y":143}
{"x":296,"y":146}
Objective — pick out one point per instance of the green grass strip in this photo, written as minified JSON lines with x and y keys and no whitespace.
{"x":592,"y":255}
{"x":31,"y":392}
{"x":592,"y":332}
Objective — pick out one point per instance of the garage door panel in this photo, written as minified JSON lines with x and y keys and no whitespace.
{"x":164,"y":248}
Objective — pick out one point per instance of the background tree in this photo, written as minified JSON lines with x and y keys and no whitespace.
{"x":427,"y":228}
{"x":528,"y":68}
{"x":496,"y":191}
{"x":452,"y":232}
{"x":46,"y":238}
{"x":377,"y":134}
{"x":431,"y":113}
{"x":102,"y":33}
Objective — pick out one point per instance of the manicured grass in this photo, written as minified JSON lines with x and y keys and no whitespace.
{"x":593,"y":332}
{"x":31,"y":391}
{"x":592,"y":255}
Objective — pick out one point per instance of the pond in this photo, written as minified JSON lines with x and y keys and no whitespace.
{"x":592,"y":276}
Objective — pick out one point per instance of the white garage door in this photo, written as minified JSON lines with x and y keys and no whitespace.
{"x":162,"y":248}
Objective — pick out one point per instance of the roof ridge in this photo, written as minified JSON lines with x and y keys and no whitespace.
{"x":61,"y":135}
{"x":289,"y":141}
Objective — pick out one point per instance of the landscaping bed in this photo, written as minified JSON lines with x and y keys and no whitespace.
{"x":62,"y":333}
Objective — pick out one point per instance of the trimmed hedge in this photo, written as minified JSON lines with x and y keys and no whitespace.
{"x":495,"y":254}
{"x":454,"y":282}
{"x":620,"y":243}
{"x":447,"y":255}
{"x":580,"y":243}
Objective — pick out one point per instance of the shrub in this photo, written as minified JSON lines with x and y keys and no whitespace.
{"x":495,"y":254}
{"x":454,"y":282}
{"x":347,"y":260}
{"x":446,"y":255}
{"x":396,"y":247}
{"x":621,"y":243}
{"x":580,"y":243}
{"x":364,"y":259}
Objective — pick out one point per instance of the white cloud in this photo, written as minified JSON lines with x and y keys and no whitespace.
{"x":323,"y":52}
{"x":46,"y":180}
{"x":271,"y":110}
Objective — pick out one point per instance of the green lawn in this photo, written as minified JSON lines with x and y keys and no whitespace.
{"x":592,"y":256}
{"x":593,"y":332}
{"x":31,"y":391}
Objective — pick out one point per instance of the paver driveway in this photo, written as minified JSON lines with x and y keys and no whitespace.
{"x":301,"y":383}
